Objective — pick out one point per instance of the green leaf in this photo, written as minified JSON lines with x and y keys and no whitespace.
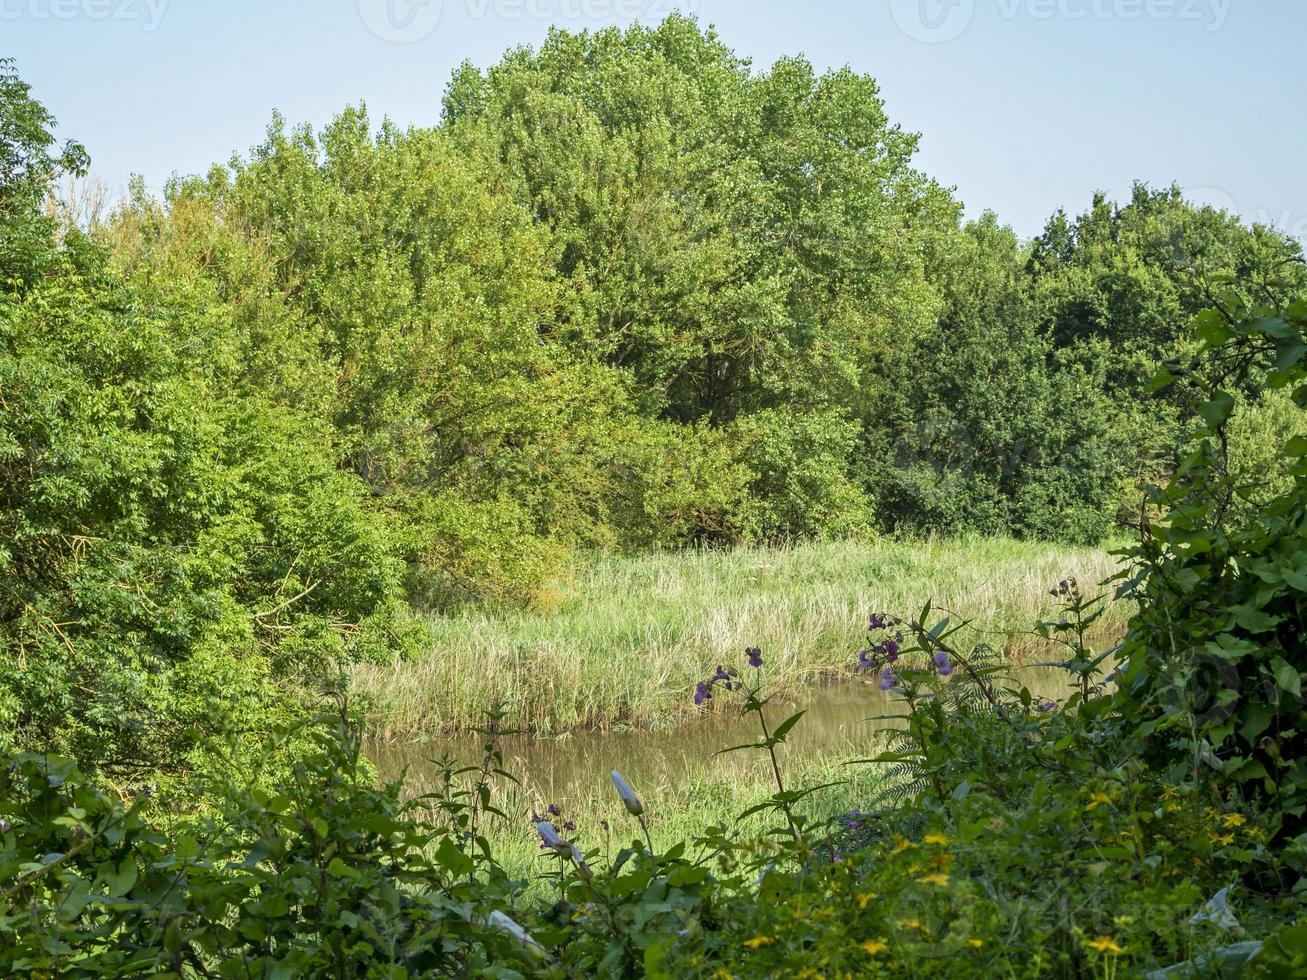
{"x":1287,"y":676}
{"x":339,"y":869}
{"x":1254,"y":620}
{"x":449,"y":856}
{"x":1218,"y":410}
{"x":121,"y":881}
{"x":785,"y":727}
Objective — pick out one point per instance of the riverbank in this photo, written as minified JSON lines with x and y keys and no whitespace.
{"x":688,"y":784}
{"x":631,"y":635}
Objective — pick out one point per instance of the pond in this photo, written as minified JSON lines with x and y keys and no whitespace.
{"x":840,"y":725}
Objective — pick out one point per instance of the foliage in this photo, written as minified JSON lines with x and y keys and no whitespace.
{"x":1038,"y":846}
{"x":1215,"y":658}
{"x":988,"y":427}
{"x":173,"y":547}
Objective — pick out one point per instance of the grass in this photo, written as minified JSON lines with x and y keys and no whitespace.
{"x":632,"y":635}
{"x":680,"y":805}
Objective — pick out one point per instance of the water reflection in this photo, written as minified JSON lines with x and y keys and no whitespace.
{"x":840,"y":725}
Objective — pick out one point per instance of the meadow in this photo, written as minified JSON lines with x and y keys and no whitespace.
{"x":628,"y":637}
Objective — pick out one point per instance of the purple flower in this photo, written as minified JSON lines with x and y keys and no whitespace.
{"x":569,"y":826}
{"x":721,"y":675}
{"x":878,"y":622}
{"x":553,"y":810}
{"x":942,"y":664}
{"x":755,"y":656}
{"x":886,"y":679}
{"x":891,"y":651}
{"x":852,"y":825}
{"x":702,"y":693}
{"x":1047,"y":706}
{"x":866,"y":662}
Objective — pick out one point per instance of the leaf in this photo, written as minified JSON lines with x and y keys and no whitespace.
{"x":785,"y":727}
{"x":1287,"y":677}
{"x":339,"y":869}
{"x":1254,"y":620}
{"x":741,"y":748}
{"x":121,"y":881}
{"x":1218,"y":410}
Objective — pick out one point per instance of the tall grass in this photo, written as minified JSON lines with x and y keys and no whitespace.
{"x":631,"y":636}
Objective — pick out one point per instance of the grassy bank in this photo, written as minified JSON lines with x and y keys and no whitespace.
{"x":631,"y":636}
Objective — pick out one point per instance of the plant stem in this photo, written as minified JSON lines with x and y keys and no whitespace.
{"x":776,"y":769}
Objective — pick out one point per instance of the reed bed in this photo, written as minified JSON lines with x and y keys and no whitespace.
{"x":631,"y":635}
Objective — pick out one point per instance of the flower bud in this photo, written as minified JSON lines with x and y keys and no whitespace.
{"x":632,"y":802}
{"x":550,"y":836}
{"x":582,"y":869}
{"x":499,"y":921}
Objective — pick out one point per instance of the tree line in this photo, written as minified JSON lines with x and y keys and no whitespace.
{"x":626,"y":292}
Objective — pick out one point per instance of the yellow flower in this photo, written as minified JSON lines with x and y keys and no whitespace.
{"x":1224,"y":840}
{"x":939,"y":839}
{"x":758,"y":941}
{"x":1098,"y":798}
{"x":1105,"y":944}
{"x":903,"y":845}
{"x":864,"y":898}
{"x":913,"y":923}
{"x":938,"y":878}
{"x":975,"y":943}
{"x":873,"y":946}
{"x":1233,"y":820}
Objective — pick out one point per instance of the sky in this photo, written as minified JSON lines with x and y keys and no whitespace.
{"x":1024,"y":106}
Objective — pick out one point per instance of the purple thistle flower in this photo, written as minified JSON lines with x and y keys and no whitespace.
{"x":886,"y":679}
{"x":755,"y":656}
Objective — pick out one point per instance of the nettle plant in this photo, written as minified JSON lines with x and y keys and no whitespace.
{"x":1214,"y":661}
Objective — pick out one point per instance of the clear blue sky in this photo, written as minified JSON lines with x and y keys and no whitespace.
{"x":1024,"y":105}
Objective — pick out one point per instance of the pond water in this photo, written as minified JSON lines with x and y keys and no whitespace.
{"x":840,"y":725}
